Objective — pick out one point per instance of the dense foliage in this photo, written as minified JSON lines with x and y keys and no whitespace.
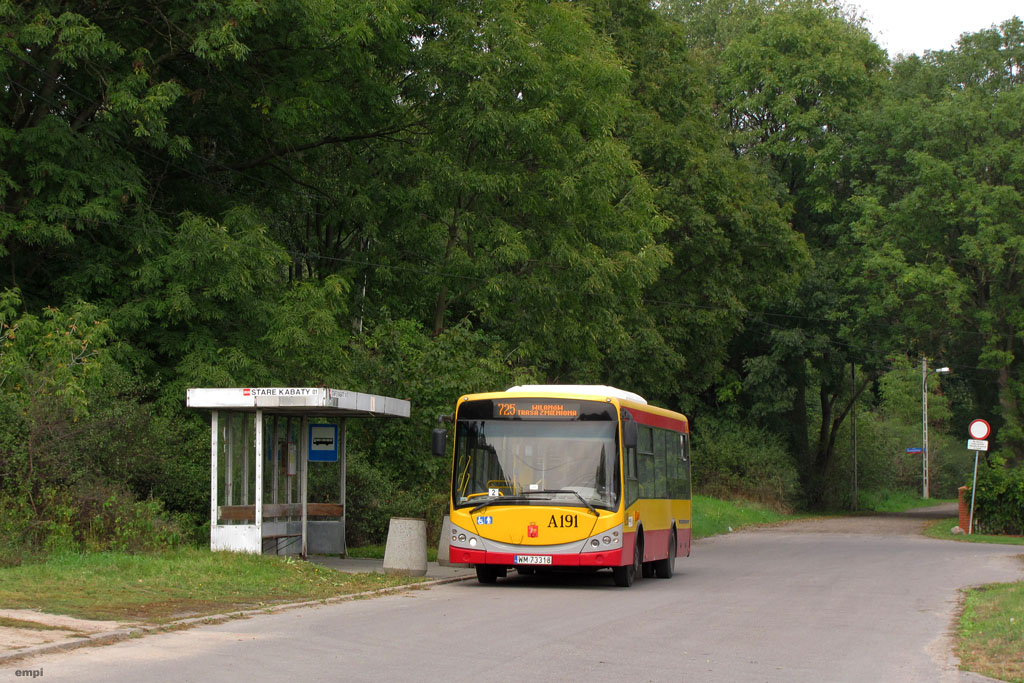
{"x":740,"y":209}
{"x":999,"y":499}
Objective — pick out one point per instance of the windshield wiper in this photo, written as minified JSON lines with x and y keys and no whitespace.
{"x":500,"y":499}
{"x":525,"y":497}
{"x":575,"y":493}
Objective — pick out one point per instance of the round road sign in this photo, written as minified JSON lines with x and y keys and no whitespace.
{"x":979,"y":429}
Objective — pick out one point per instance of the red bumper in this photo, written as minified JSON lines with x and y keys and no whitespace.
{"x":608,"y":558}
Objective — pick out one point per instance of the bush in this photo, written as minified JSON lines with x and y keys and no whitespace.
{"x":80,"y":457}
{"x":82,"y":519}
{"x":372,"y":498}
{"x":735,"y":460}
{"x":999,"y":500}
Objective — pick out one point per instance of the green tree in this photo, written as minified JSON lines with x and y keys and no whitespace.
{"x":731,"y":247}
{"x":520,"y":211}
{"x":790,"y":77}
{"x":939,"y":220}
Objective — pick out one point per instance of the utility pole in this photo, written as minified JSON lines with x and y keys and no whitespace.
{"x":924,"y":421}
{"x":924,"y":427}
{"x":853,"y":432}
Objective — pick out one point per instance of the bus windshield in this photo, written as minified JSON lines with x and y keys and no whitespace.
{"x":536,"y":462}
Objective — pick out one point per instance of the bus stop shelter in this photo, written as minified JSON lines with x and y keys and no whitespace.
{"x":285,"y":428}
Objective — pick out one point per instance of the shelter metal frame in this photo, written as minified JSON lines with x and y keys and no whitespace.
{"x":302,"y":403}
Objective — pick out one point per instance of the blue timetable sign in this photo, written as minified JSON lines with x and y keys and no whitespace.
{"x":323,"y":443}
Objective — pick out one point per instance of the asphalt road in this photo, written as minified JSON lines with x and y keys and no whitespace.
{"x":838,"y":600}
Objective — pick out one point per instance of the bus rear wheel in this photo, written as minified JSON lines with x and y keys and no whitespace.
{"x":664,"y":569}
{"x":625,"y":576}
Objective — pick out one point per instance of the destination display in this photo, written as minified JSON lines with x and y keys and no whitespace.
{"x":536,"y":408}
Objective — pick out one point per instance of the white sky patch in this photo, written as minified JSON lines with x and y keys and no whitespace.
{"x":913,"y":26}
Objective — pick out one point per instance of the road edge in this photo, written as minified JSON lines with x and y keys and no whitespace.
{"x":118,"y":635}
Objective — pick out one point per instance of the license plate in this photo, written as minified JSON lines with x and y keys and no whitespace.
{"x":532,"y":559}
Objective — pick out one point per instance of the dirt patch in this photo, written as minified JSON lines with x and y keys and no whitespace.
{"x":22,"y":628}
{"x":911,"y":523}
{"x":875,"y":525}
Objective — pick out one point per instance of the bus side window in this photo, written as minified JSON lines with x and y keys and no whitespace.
{"x":673,"y":453}
{"x":660,"y":474}
{"x":645,"y":442}
{"x":685,"y":467}
{"x":645,"y":456}
{"x":632,"y":478}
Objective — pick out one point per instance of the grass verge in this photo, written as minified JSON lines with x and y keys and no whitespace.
{"x":895,"y":501}
{"x":992,"y":631}
{"x":161,"y":587}
{"x":712,"y":516}
{"x":941,"y":529}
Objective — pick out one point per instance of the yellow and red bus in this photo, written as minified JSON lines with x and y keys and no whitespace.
{"x":551,"y":477}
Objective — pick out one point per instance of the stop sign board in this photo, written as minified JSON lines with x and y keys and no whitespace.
{"x":979,"y":429}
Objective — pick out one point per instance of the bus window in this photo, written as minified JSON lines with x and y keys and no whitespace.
{"x":513,"y":456}
{"x":660,"y":473}
{"x":632,"y":477}
{"x":672,"y":450}
{"x":645,"y":443}
{"x":645,"y":461}
{"x":685,"y":464}
{"x":676,"y":467}
{"x":646,"y":474}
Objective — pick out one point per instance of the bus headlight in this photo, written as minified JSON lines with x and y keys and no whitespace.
{"x":466,"y":539}
{"x":610,"y":539}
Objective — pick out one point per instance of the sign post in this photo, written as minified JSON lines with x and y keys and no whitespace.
{"x":979,"y":431}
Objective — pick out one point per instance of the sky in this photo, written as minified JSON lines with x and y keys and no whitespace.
{"x":913,"y":26}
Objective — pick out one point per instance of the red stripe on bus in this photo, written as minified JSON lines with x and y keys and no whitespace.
{"x":609,"y":558}
{"x":654,"y":420}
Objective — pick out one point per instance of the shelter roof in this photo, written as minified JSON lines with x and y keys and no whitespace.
{"x":309,"y":401}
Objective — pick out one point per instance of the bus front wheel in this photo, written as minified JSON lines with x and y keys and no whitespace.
{"x":625,"y":576}
{"x":489,"y":574}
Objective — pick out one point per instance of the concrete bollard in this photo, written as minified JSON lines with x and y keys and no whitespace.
{"x":406,"y":551}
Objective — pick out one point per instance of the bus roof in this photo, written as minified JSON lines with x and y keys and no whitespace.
{"x":583,"y":389}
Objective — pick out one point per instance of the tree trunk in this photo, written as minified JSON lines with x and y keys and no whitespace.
{"x":1012,"y":433}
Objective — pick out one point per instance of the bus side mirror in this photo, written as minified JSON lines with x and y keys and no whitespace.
{"x":440,"y":442}
{"x":629,"y":434}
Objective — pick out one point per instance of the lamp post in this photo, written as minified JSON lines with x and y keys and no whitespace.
{"x":924,"y":421}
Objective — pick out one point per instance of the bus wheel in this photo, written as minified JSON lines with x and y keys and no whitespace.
{"x":486,"y":573}
{"x":625,"y":576}
{"x":665,"y":568}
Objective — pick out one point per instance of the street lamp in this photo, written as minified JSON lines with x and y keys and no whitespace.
{"x":924,"y":421}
